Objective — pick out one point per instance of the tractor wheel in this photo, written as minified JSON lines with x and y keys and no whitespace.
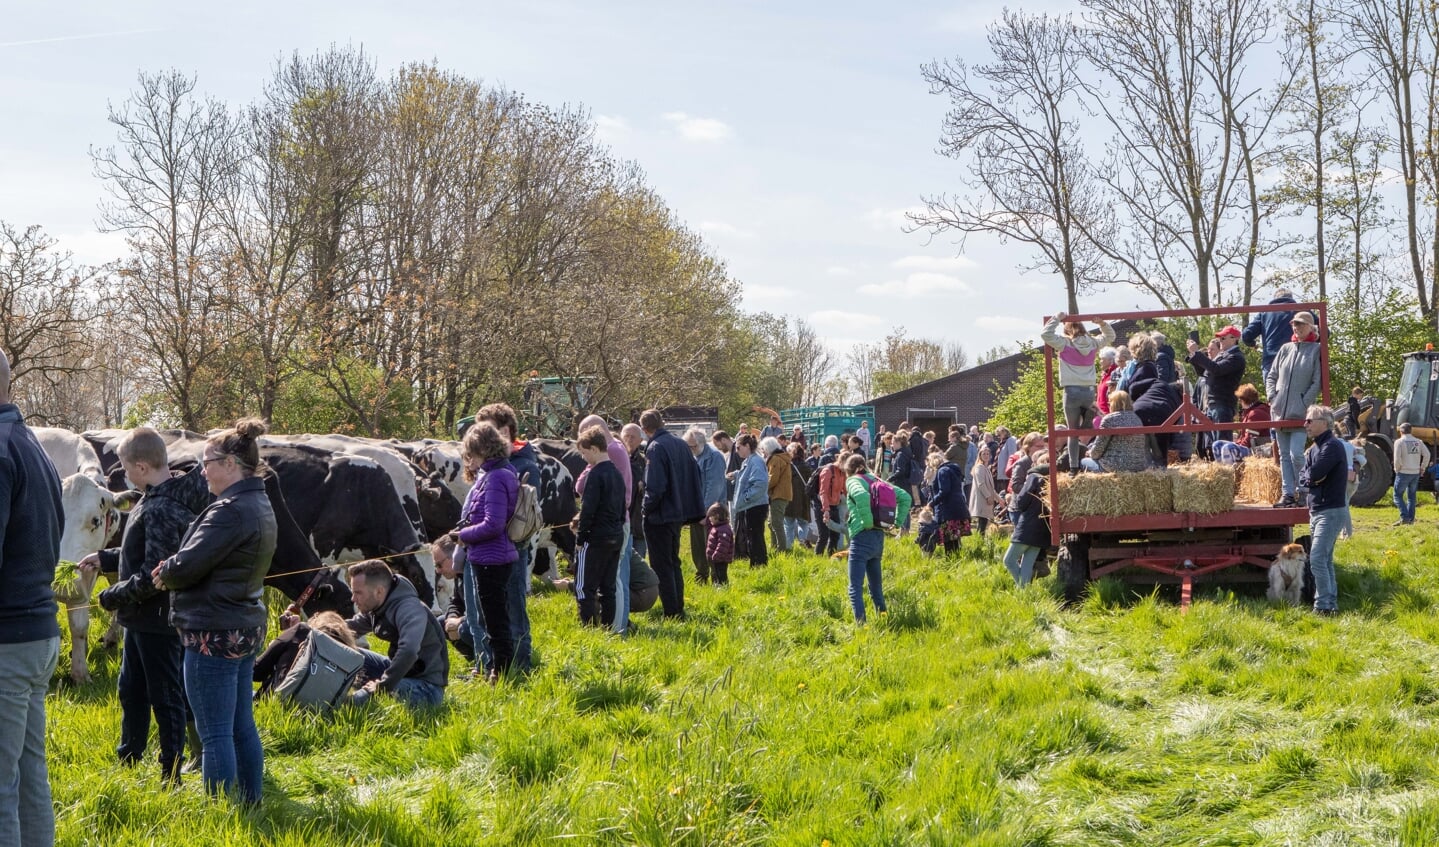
{"x":1073,"y":565}
{"x":1375,"y":478}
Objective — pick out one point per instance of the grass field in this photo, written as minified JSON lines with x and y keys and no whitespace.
{"x":974,"y":713}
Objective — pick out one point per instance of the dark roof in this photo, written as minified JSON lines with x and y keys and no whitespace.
{"x":967,"y":392}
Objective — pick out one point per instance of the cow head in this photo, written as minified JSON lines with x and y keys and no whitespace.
{"x":90,"y":517}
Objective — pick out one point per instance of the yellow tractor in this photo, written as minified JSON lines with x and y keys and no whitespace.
{"x":1417,"y":404}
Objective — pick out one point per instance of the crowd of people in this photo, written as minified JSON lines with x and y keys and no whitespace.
{"x":189,"y":576}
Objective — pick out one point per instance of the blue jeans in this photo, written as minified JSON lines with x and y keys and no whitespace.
{"x":792,"y":529}
{"x":519,"y":613}
{"x":1323,"y":531}
{"x":622,"y":586}
{"x":1290,"y":444}
{"x":1406,"y":495}
{"x":866,"y":550}
{"x":26,"y":816}
{"x":415,"y":693}
{"x":1019,"y":559}
{"x":221,"y":693}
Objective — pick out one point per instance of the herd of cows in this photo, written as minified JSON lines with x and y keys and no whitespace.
{"x":336,"y":498}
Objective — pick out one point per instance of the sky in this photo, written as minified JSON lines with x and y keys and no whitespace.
{"x":794,"y":136}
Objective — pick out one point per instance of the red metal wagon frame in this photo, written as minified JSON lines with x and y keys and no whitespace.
{"x":1177,"y":561}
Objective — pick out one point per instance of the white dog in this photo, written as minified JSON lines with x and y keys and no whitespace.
{"x":1286,"y":575}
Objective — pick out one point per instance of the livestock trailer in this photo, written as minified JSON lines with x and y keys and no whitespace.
{"x":820,"y":422}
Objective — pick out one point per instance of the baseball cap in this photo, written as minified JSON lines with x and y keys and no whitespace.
{"x":1228,"y":332}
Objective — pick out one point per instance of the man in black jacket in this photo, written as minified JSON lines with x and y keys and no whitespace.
{"x":30,"y":526}
{"x":419,"y":661}
{"x":1224,"y":373}
{"x":672,"y":498}
{"x":150,"y":665}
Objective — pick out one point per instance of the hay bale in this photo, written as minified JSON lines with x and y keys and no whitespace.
{"x":1205,"y":488}
{"x":1260,"y":482}
{"x":1113,"y":494}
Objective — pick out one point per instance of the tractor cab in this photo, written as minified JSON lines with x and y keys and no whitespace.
{"x":1417,"y":403}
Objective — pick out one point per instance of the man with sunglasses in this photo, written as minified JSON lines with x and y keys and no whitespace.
{"x":1325,"y":475}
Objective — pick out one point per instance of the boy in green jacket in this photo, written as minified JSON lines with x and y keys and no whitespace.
{"x":866,"y":547}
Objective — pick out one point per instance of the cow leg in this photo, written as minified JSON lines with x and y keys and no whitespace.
{"x":77,"y":610}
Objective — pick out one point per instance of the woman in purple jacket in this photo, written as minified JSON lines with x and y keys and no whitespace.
{"x":489,"y":553}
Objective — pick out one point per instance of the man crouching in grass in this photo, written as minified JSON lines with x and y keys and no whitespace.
{"x":418,"y":667}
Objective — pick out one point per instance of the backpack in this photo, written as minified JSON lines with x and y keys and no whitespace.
{"x":322,"y":673}
{"x":527,"y":519}
{"x":883,"y":505}
{"x":811,"y":488}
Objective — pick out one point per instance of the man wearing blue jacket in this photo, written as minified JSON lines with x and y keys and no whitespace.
{"x":30,"y":526}
{"x":714,"y":488}
{"x":1325,"y":475}
{"x":673,"y":498}
{"x":1272,"y":327}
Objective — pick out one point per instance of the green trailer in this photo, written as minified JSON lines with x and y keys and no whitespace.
{"x":820,"y":422}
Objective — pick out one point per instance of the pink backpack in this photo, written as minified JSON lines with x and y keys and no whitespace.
{"x":883,"y":505}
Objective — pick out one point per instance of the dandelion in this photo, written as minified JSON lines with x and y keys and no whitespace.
{"x":825,"y":843}
{"x":800,"y":687}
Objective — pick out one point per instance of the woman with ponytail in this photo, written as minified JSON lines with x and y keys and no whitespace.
{"x":216,"y":580}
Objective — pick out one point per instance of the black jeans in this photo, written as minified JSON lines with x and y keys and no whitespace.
{"x":492,"y":587}
{"x":598,"y":566}
{"x":152,"y":679}
{"x":827,"y":542}
{"x":664,"y":542}
{"x":754,"y":521}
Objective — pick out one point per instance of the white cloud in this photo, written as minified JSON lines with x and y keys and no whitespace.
{"x":692,"y":128}
{"x":758,"y":295}
{"x":845,"y":320}
{"x":836,"y":270}
{"x":610,"y":128}
{"x":935,"y":264}
{"x":920,"y":284}
{"x":723,"y":228}
{"x":1008,"y":323}
{"x":892,"y":220}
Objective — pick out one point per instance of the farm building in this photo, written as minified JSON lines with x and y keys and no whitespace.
{"x":965,"y":397}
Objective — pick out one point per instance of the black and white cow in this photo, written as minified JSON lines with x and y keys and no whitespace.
{"x":347,"y":503}
{"x":295,"y":563}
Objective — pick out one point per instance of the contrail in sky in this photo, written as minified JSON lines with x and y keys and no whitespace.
{"x":60,"y":38}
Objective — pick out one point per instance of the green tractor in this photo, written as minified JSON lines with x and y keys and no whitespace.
{"x":1417,"y":404}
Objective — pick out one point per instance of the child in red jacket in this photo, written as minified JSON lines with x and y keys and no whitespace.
{"x":719,"y":543}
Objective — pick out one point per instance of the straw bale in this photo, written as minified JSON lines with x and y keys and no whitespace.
{"x":1259,"y":481}
{"x":1205,"y":488}
{"x":1114,"y":494}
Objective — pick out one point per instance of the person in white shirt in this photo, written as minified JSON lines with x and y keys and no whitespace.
{"x":1411,"y":457}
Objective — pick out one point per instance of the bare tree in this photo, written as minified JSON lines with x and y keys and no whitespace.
{"x":1013,"y":123}
{"x":1389,"y":34}
{"x":166,"y":184}
{"x":45,"y":329}
{"x":1186,"y":142}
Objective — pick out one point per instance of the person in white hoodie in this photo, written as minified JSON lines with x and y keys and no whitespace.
{"x":1077,"y":351}
{"x":1411,"y":457}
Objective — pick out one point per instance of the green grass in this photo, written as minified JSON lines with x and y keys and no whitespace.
{"x":973,"y":713}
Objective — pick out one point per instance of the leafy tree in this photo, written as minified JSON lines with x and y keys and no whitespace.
{"x":1367,"y":346}
{"x":1021,"y":406}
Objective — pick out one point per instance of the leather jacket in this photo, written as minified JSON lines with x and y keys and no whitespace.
{"x":218,"y":575}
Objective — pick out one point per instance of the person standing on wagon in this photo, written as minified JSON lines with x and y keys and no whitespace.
{"x":1077,"y":351}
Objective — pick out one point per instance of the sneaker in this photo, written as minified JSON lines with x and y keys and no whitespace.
{"x":1286,"y":502}
{"x":1326,"y":613}
{"x":1400,"y":522}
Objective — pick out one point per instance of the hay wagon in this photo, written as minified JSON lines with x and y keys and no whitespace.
{"x":1183,"y":538}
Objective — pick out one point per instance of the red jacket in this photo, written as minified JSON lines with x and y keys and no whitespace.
{"x":719,"y":544}
{"x":1102,"y":401}
{"x":1257,"y":412}
{"x":831,"y":486}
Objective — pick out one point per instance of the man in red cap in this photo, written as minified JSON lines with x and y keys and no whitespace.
{"x":1224,"y":373}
